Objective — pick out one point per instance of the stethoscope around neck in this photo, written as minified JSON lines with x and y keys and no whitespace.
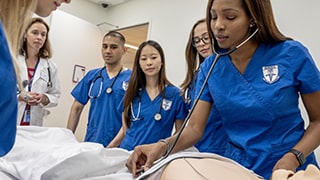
{"x":26,"y":83}
{"x":217,"y":57}
{"x":156,"y":117}
{"x":99,"y":76}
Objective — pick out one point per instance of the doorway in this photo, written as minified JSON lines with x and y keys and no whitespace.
{"x":134,"y":35}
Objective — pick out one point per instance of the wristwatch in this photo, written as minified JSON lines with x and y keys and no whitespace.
{"x":300,"y":156}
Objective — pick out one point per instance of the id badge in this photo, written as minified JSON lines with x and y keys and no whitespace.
{"x":26,"y":117}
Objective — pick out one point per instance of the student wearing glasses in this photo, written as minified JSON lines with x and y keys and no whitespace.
{"x":198,"y":48}
{"x":255,"y":86}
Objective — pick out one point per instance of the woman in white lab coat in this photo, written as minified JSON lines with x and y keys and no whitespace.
{"x":38,"y":74}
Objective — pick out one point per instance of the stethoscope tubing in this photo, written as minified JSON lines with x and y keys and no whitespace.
{"x":108,"y":90}
{"x":218,"y":55}
{"x":156,"y":116}
{"x":94,"y":81}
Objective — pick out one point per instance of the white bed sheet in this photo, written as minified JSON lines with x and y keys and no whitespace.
{"x":48,"y":153}
{"x":54,"y":153}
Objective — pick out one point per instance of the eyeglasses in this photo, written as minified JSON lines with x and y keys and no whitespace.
{"x":197,"y":40}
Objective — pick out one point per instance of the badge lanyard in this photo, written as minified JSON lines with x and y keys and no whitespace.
{"x":31,"y":80}
{"x":26,"y":114}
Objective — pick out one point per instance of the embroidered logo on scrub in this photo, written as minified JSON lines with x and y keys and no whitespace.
{"x":125,"y":85}
{"x":270,"y":73}
{"x":166,"y":104}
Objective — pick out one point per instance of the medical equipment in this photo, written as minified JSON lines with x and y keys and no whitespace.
{"x":157,"y":116}
{"x":49,"y":84}
{"x":218,"y":55}
{"x":25,"y":83}
{"x":187,"y":96}
{"x":99,"y":76}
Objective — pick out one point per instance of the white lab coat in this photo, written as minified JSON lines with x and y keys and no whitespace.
{"x":39,"y":84}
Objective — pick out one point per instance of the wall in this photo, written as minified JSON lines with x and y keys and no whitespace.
{"x":74,"y":41}
{"x":299,"y":22}
{"x":170,"y":23}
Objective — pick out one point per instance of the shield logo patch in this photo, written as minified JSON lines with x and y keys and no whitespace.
{"x":125,"y":85}
{"x":270,"y":73}
{"x":166,"y":104}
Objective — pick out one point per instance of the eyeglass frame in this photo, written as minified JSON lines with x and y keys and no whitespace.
{"x":204,"y":38}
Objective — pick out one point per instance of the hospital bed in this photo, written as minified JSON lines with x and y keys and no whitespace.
{"x":54,"y":154}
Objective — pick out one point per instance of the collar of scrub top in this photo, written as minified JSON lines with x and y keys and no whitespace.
{"x":109,"y":89}
{"x":157,"y":116}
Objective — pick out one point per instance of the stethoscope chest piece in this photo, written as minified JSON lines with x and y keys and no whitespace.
{"x":49,"y":84}
{"x":109,"y":90}
{"x":157,"y":117}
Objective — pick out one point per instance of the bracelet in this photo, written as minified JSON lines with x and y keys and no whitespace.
{"x":167,"y":143}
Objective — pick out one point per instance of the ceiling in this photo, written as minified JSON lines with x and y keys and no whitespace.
{"x":108,"y":3}
{"x":134,"y":35}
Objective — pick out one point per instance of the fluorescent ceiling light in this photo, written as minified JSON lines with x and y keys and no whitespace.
{"x":131,"y":46}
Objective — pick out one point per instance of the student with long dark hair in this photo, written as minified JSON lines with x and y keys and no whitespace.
{"x":152,"y":105}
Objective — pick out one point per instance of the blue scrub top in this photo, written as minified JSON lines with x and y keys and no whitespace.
{"x":259,"y":108}
{"x":9,"y":101}
{"x":214,"y":138}
{"x":148,"y":130}
{"x":104,"y":119}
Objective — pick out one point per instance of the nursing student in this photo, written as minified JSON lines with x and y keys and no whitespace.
{"x":38,"y":73}
{"x":104,"y":87}
{"x":152,"y":105}
{"x":12,"y":28}
{"x":255,"y":88}
{"x":214,"y":138}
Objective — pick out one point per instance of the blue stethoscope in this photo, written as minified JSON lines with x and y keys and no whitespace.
{"x":109,"y":89}
{"x":137,"y":117}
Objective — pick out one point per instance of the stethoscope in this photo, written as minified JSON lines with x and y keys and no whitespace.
{"x":217,"y":57}
{"x":188,"y":91}
{"x":49,"y":83}
{"x":187,"y":96}
{"x":26,"y":83}
{"x":109,"y":89}
{"x":137,"y":117}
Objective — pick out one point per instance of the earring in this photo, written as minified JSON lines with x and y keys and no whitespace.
{"x":252,"y":24}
